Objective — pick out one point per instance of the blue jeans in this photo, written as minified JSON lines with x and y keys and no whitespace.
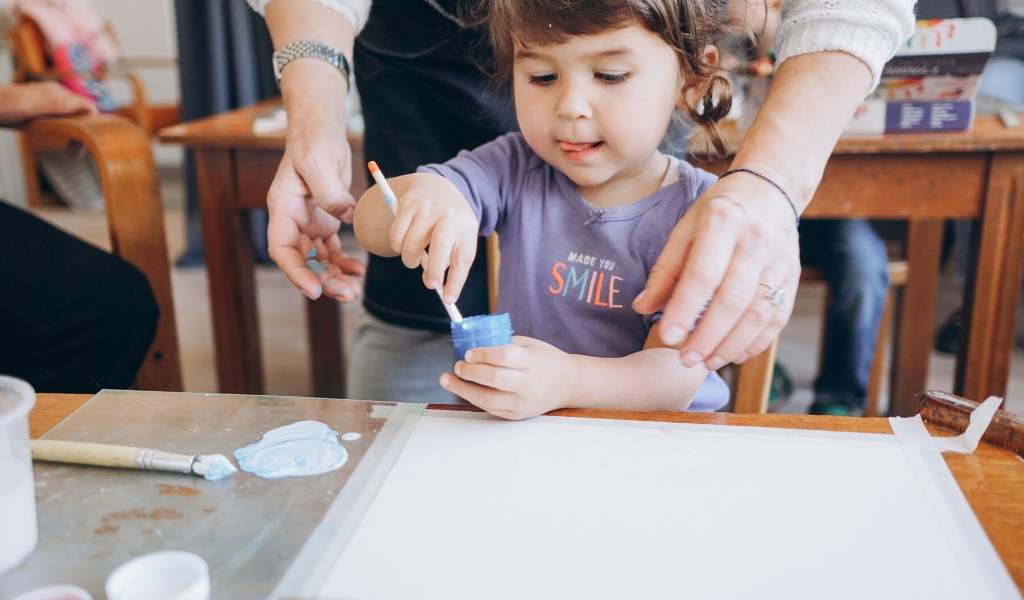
{"x":854,"y":263}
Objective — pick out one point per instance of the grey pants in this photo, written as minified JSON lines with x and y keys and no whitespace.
{"x":398,"y":364}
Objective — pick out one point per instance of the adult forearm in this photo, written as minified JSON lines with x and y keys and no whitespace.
{"x":311,"y":88}
{"x":652,"y":379}
{"x":809,"y":103}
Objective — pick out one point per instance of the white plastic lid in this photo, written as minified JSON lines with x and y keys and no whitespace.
{"x":174,"y":575}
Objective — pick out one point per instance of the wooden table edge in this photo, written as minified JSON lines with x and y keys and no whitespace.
{"x":998,"y":517}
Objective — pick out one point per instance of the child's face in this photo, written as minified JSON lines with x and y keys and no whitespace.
{"x":596,"y":107}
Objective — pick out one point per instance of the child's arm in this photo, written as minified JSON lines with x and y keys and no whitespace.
{"x":431,"y":211}
{"x":530,"y":377}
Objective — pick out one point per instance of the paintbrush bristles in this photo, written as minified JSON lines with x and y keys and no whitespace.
{"x":213,"y":466}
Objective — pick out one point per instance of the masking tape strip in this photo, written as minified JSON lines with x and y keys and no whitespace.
{"x":313,"y":564}
{"x":923,"y":452}
{"x":966,"y":442}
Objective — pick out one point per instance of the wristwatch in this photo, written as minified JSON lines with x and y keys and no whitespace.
{"x":311,"y":49}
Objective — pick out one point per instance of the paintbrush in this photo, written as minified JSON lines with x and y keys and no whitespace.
{"x":210,"y":466}
{"x":392,"y":202}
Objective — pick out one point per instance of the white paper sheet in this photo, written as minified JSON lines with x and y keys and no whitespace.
{"x":577,"y":508}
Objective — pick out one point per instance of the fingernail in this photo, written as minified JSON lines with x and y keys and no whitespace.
{"x":714,"y":363}
{"x":640,"y":296}
{"x":742,"y":358}
{"x":458,"y":368}
{"x":692,"y":358}
{"x":469,"y":356}
{"x":672,"y":335}
{"x":444,"y":381}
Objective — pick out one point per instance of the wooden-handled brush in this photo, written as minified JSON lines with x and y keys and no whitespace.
{"x":210,"y":466}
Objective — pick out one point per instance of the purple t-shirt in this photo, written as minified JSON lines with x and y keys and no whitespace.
{"x":570,"y":270}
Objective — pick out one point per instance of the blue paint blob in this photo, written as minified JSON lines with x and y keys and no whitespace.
{"x":480,"y":331}
{"x":313,"y":264}
{"x":302,"y":448}
{"x":218,"y":467}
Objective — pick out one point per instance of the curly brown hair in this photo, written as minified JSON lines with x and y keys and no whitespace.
{"x":687,"y":26}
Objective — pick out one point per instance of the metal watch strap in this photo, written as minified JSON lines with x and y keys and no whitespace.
{"x":312,"y":49}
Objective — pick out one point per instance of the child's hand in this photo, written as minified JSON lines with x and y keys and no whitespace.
{"x":433,"y":212}
{"x":523,"y":379}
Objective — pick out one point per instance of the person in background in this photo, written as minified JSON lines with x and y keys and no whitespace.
{"x":73,"y":318}
{"x":1003,"y":81}
{"x":425,"y":98}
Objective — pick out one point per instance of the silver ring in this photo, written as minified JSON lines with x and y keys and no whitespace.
{"x":777,"y":296}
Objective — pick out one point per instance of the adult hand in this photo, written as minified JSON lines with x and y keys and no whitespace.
{"x":20,"y":102}
{"x":713,"y":277}
{"x":307,"y":202}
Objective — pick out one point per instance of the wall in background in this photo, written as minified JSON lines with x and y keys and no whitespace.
{"x":12,"y":183}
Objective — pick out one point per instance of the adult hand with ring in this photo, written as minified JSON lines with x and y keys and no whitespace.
{"x":739,"y":238}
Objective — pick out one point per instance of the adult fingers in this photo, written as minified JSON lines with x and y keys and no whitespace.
{"x":337,"y":256}
{"x":706,"y":264}
{"x":778,"y":322}
{"x":284,"y":244}
{"x":324,"y":166}
{"x":730,"y":302}
{"x":665,"y":272}
{"x":757,"y":316}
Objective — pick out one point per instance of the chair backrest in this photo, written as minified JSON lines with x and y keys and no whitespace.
{"x":30,"y":55}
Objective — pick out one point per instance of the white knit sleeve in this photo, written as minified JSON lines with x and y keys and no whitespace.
{"x":871,"y":30}
{"x":356,"y":11}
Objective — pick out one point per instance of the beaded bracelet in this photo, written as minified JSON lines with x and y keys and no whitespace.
{"x":796,"y":213}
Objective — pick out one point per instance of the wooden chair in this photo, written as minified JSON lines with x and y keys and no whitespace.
{"x":31,"y":63}
{"x":753,"y":379}
{"x":898,"y":272}
{"x":128,"y":179}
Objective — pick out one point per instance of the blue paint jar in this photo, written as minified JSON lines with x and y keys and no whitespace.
{"x":480,"y":331}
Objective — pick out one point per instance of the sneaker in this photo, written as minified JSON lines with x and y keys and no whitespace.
{"x":834,"y":409}
{"x":782,"y":385}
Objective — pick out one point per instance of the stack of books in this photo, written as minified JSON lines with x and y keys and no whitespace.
{"x":932,"y":82}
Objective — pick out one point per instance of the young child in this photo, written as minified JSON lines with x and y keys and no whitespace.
{"x":583,"y":202}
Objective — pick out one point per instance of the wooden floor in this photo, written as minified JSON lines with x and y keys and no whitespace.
{"x":286,"y":365}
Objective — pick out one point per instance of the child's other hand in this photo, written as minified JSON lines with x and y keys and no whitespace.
{"x":433,"y":213}
{"x":523,"y":379}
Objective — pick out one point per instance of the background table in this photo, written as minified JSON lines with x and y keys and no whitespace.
{"x":234,"y":169}
{"x":922,"y":178}
{"x":992,"y":479}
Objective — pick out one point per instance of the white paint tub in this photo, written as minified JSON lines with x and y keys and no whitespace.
{"x":17,"y":492}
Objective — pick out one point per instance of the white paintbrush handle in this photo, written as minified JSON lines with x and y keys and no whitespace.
{"x":109,"y":455}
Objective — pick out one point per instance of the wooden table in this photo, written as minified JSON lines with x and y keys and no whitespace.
{"x":992,"y":479}
{"x":922,"y":178}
